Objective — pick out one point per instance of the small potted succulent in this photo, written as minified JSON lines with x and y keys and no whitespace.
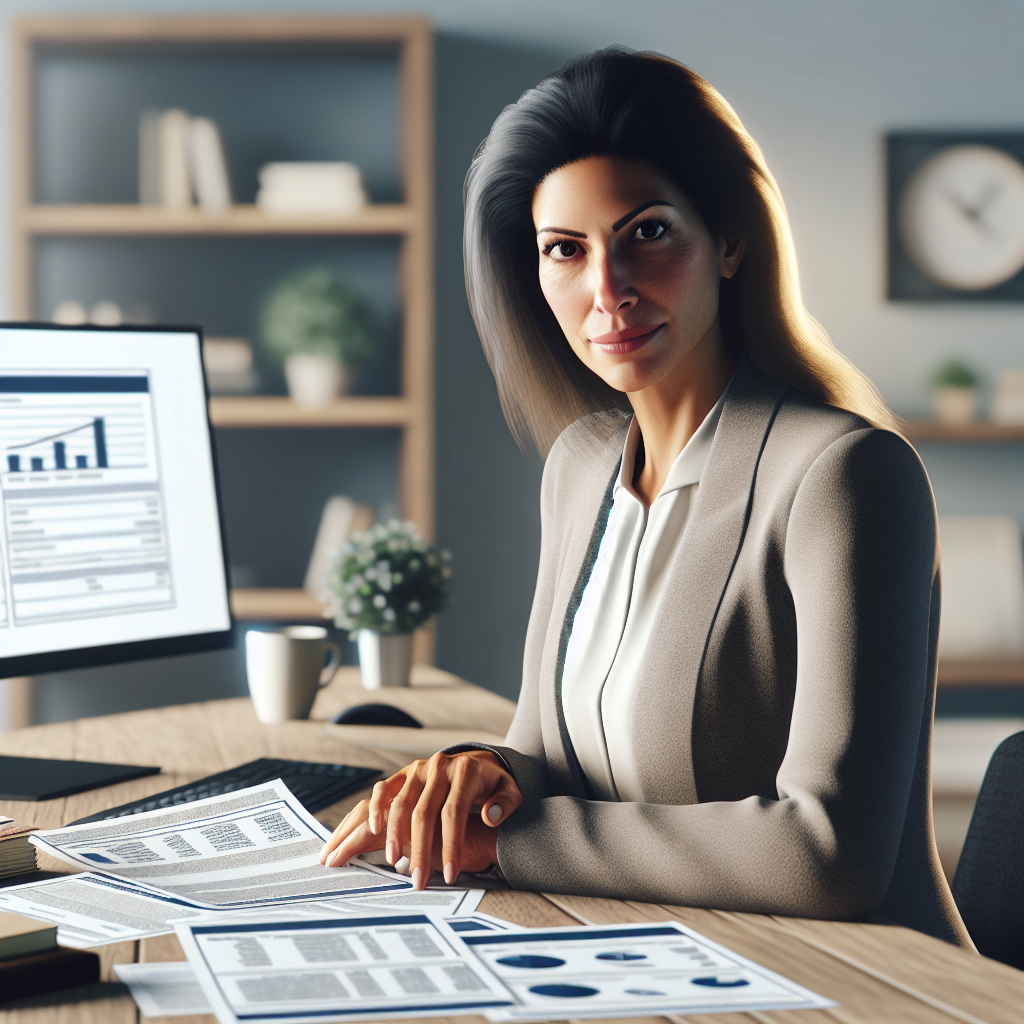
{"x":954,"y":392}
{"x":319,"y":328}
{"x":386,"y":583}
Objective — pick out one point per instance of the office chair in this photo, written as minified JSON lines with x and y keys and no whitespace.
{"x":989,"y":883}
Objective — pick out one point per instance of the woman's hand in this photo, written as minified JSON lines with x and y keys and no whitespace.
{"x":410,"y":808}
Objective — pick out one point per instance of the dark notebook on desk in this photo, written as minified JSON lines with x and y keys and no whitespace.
{"x":35,"y":778}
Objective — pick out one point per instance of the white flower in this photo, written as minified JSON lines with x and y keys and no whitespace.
{"x":371,"y":573}
{"x":389,"y":615}
{"x":413,"y":606}
{"x":380,"y":601}
{"x":384,"y":582}
{"x":356,"y":582}
{"x":355,"y":606}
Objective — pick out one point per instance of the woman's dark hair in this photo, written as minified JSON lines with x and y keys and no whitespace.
{"x":645,"y":107}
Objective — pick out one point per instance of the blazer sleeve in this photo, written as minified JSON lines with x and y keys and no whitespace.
{"x":861,"y":564}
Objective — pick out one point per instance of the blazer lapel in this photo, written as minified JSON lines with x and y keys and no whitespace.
{"x":663,"y":711}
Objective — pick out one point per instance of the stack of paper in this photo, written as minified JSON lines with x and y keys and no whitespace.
{"x":289,"y":188}
{"x":251,"y":849}
{"x":17,"y":855}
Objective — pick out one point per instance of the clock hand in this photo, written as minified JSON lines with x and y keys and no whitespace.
{"x":972,"y":212}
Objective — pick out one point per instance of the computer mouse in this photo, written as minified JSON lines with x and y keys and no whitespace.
{"x":377,"y":714}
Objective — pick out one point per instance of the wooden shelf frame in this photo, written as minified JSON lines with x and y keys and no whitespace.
{"x":976,"y":432}
{"x":132,"y":219}
{"x":412,"y":221}
{"x":273,"y":411}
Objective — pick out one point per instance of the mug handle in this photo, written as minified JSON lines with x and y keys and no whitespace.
{"x":327,"y":673}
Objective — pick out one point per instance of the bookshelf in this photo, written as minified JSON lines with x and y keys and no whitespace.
{"x":409,"y":222}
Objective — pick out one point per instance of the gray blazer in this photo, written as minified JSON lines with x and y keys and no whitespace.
{"x":782,"y":724}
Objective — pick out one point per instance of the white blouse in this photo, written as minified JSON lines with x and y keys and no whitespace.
{"x":617,"y":609}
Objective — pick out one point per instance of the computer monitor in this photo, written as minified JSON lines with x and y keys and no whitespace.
{"x":111,"y":544}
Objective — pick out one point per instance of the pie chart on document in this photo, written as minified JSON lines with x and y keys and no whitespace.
{"x":531,"y":961}
{"x":564,"y":991}
{"x":716,"y":982}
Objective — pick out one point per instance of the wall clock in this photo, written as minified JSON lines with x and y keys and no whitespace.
{"x":956,"y":216}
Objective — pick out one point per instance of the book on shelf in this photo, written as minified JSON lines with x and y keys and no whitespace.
{"x":17,"y":854}
{"x":182,"y":158}
{"x":209,"y":166}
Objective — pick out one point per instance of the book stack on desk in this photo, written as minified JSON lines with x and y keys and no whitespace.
{"x":17,"y":854}
{"x":31,"y":961}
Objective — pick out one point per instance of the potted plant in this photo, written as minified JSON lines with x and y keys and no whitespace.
{"x":319,"y":328}
{"x":386,"y":583}
{"x":955,"y":392}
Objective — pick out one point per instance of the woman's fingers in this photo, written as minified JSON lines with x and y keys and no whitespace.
{"x":352,"y":821}
{"x":425,"y":817}
{"x":359,"y":840}
{"x":380,"y":800}
{"x":464,"y":775}
{"x":505,"y":799}
{"x":399,"y":816}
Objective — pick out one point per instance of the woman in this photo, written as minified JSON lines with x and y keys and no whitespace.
{"x":729,"y":674}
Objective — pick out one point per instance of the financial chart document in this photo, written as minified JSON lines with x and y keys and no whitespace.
{"x":83,"y":512}
{"x":109,"y":522}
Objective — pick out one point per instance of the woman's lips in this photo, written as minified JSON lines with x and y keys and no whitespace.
{"x":629,"y":340}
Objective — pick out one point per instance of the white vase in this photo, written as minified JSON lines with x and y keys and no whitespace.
{"x":316,"y":380}
{"x":955,"y":406}
{"x":384,"y":660}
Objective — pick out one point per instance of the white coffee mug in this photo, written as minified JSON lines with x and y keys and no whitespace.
{"x":286,"y":667}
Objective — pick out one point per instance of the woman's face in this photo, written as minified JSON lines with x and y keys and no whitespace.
{"x":629,"y":270}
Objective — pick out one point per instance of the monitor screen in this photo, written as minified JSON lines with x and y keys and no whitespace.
{"x":111,"y":544}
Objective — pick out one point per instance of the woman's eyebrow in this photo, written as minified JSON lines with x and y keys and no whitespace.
{"x":622,"y":221}
{"x":562,"y":231}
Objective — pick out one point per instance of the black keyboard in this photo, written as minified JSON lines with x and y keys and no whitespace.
{"x":316,"y":786}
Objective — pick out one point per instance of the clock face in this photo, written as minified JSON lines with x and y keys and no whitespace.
{"x":961,"y":217}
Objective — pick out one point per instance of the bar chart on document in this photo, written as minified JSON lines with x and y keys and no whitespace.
{"x":83,"y":514}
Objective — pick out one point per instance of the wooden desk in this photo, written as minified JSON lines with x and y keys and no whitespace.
{"x":877,"y":973}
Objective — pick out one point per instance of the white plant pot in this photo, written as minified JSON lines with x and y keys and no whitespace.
{"x":955,"y":406}
{"x":384,"y":660}
{"x":316,"y":380}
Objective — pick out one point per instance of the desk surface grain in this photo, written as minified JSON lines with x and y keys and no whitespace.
{"x":877,"y":973}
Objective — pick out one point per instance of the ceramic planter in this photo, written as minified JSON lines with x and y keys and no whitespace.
{"x":316,"y":380}
{"x":955,"y":405}
{"x":384,"y":660}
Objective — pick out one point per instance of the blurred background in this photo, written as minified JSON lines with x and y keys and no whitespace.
{"x":854,"y":105}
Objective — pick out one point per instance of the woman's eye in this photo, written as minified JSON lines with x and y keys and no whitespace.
{"x":561,"y":250}
{"x":650,"y":229}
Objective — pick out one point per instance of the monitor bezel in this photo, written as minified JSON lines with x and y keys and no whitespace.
{"x":134,"y":650}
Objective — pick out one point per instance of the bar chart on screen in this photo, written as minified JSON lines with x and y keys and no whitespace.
{"x":83,"y":513}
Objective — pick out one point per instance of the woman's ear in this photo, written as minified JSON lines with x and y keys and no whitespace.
{"x":730,"y":253}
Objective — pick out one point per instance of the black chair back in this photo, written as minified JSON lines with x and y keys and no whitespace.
{"x":989,"y":882}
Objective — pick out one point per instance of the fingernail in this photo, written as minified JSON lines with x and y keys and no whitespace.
{"x":450,"y":874}
{"x":402,"y":865}
{"x":494,"y":813}
{"x":391,"y":853}
{"x":416,"y":877}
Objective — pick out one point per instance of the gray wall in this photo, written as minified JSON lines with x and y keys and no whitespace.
{"x":817,"y":84}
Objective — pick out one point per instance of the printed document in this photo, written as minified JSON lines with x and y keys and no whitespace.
{"x":91,"y":909}
{"x":249,"y":848}
{"x":627,"y":971}
{"x":422,"y":966}
{"x":369,"y":968}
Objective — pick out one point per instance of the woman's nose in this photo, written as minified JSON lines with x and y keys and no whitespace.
{"x":612,"y":291}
